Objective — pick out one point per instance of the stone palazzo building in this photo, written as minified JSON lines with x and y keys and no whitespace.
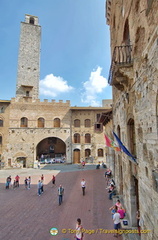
{"x":134,"y":79}
{"x":30,"y":128}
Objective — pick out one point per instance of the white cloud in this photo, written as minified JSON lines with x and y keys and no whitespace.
{"x":94,"y":86}
{"x":52,"y":86}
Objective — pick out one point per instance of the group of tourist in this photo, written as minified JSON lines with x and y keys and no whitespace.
{"x":118,"y":213}
{"x":61,"y":190}
{"x":117,"y":210}
{"x":14,"y":183}
{"x":40,"y":186}
{"x":100,"y":164}
{"x":27,"y":182}
{"x":110,"y":183}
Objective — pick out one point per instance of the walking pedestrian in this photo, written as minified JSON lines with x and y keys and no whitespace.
{"x":17,"y":178}
{"x":83,"y":185}
{"x":79,"y":233}
{"x":38,"y":165}
{"x":39,"y":187}
{"x":42,"y":187}
{"x":8,"y":181}
{"x":14,"y":184}
{"x":83,"y":164}
{"x":116,"y":219}
{"x":60,"y":193}
{"x":26,"y":183}
{"x":53,"y":180}
{"x":29,"y":182}
{"x":42,"y":177}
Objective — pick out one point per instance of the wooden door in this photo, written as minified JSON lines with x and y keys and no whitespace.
{"x":76,"y":156}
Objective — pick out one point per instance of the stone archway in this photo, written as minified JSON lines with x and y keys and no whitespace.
{"x":19,"y":159}
{"x":51,"y":147}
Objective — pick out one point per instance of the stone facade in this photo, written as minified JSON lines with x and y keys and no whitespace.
{"x":24,"y":138}
{"x":91,"y":144}
{"x":134,"y":79}
{"x":30,"y":128}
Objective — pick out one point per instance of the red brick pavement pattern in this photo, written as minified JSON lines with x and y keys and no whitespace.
{"x":26,"y":216}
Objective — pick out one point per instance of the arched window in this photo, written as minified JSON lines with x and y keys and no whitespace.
{"x":100,"y":152}
{"x":56,"y":122}
{"x":76,"y":138}
{"x":87,"y":138}
{"x":126,"y":34}
{"x":131,"y":136}
{"x":0,"y":140}
{"x":24,"y":122}
{"x":41,"y":122}
{"x":32,"y":21}
{"x":1,"y":122}
{"x":87,"y":123}
{"x":76,"y":123}
{"x":87,"y":152}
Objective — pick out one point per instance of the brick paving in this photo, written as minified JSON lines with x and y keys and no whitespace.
{"x":26,"y":216}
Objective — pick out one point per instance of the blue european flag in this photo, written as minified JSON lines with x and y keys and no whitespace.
{"x":124,"y":149}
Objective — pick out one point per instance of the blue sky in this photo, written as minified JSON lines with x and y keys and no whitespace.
{"x":75,"y":49}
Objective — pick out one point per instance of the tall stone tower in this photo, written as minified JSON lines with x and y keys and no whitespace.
{"x":29,"y":59}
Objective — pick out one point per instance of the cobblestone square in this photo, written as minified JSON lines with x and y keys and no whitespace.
{"x":26,"y":216}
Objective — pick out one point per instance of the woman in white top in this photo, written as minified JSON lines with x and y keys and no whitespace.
{"x":79,"y":234}
{"x":83,"y":185}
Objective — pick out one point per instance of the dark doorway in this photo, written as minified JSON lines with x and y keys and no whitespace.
{"x":22,"y":160}
{"x":50,"y":147}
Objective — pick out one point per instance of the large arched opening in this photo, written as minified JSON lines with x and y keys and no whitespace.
{"x":51,"y":147}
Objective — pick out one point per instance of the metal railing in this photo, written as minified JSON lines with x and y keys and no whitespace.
{"x":122,"y":55}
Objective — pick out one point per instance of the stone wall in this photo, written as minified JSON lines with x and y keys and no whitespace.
{"x":29,"y":59}
{"x":135,"y":101}
{"x":23,"y":141}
